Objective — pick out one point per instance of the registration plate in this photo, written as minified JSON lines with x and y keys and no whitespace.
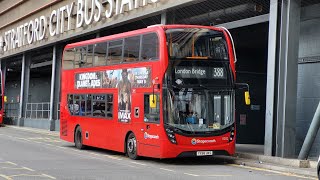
{"x":204,"y":153}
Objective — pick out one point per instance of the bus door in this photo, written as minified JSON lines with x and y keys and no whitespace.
{"x":148,"y":113}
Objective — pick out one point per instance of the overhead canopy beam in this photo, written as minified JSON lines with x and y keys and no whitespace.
{"x":245,"y":22}
{"x":42,"y":64}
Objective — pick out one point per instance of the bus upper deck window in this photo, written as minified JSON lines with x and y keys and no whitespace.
{"x":115,"y":52}
{"x":131,"y":49}
{"x":100,"y":50}
{"x":150,"y":47}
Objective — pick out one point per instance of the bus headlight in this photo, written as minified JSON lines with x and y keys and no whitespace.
{"x":231,"y":134}
{"x":171,"y":136}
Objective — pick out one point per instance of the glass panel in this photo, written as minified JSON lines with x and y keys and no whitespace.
{"x":131,"y":49}
{"x":109,"y":106}
{"x":150,"y":47}
{"x":227,"y":109}
{"x":196,"y":43}
{"x":89,"y":56}
{"x":82,"y":108}
{"x":99,"y":105}
{"x":88,"y":105}
{"x":100,"y":54}
{"x":217,"y":108}
{"x":198,"y":109}
{"x":81,"y":57}
{"x":68,"y":58}
{"x":99,"y":108}
{"x":115,"y":52}
{"x":151,"y":114}
{"x":116,"y":43}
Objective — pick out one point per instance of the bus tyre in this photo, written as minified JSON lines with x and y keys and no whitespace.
{"x":78,"y":138}
{"x":132,"y":147}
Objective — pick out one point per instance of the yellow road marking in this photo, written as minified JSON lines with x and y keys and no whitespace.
{"x":46,"y":175}
{"x":11,"y":168}
{"x":191,"y":174}
{"x":218,"y":175}
{"x":138,"y":163}
{"x":272,"y":171}
{"x":8,"y":162}
{"x":271,"y":174}
{"x":5,"y":177}
{"x":32,"y":175}
{"x":112,"y":157}
{"x":167,"y":169}
{"x":28,"y":169}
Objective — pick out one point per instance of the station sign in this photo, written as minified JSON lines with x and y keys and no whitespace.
{"x":72,"y":16}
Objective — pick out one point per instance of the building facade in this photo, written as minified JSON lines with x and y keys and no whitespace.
{"x":277,"y":45}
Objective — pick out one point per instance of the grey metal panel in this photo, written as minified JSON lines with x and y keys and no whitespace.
{"x":308,"y":97}
{"x":287,"y":78}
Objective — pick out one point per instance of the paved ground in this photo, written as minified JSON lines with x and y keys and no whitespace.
{"x":27,"y":153}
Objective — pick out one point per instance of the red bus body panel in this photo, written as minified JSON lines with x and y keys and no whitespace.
{"x":110,"y":133}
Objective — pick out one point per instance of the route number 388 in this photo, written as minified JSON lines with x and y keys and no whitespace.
{"x":218,"y":73}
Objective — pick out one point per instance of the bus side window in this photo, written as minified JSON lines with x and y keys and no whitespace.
{"x":99,"y":105}
{"x":80,"y":59}
{"x":151,"y":114}
{"x":68,"y":58}
{"x":89,"y":55}
{"x":73,"y":104}
{"x":70,"y":103}
{"x":99,"y":57}
{"x":131,"y":49}
{"x":115,"y":49}
{"x":76,"y":105}
{"x":82,"y":105}
{"x":88,"y":105}
{"x":109,"y":105}
{"x":150,"y":47}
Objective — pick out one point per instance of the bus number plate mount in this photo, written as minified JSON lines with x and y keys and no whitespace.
{"x":204,"y":153}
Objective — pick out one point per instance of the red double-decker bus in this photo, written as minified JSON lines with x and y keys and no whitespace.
{"x":164,"y":91}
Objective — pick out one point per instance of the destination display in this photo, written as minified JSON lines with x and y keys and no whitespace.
{"x":198,"y":72}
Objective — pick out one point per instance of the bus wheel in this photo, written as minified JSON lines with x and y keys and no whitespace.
{"x":78,"y":138}
{"x":132,"y":147}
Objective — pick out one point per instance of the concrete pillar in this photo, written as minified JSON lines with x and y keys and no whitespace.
{"x":53,"y":77}
{"x":24,"y":91}
{"x":164,"y":18}
{"x":270,"y":100}
{"x":55,"y":86}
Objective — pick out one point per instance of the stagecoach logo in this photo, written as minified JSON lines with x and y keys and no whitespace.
{"x":195,"y":141}
{"x":149,"y":136}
